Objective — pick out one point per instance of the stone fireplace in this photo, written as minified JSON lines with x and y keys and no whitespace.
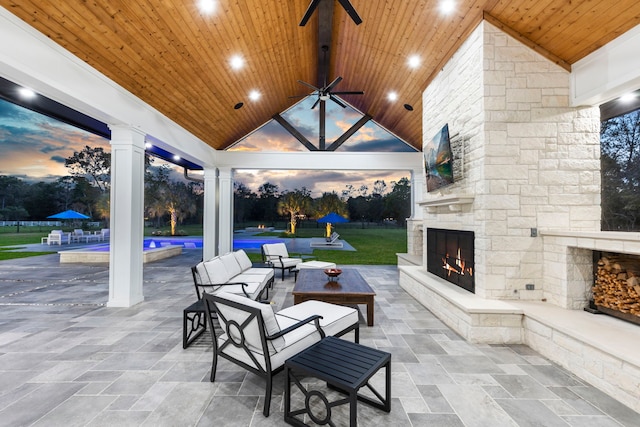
{"x":529,"y":187}
{"x":450,"y":256}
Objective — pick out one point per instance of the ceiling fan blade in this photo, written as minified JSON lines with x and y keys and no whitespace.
{"x":312,"y":7}
{"x":346,"y":4}
{"x":349,"y":92}
{"x":337,"y":101}
{"x":332,"y":84}
{"x":309,"y":85}
{"x":315,"y":103}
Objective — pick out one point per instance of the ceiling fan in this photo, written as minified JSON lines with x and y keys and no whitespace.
{"x":325,"y":93}
{"x":346,"y":4}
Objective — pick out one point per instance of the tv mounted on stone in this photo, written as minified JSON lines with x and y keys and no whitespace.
{"x":438,"y":160}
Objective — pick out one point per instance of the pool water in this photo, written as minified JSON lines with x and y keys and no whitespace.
{"x":250,"y":245}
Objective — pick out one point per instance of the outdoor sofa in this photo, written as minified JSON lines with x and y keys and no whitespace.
{"x":233,"y":273}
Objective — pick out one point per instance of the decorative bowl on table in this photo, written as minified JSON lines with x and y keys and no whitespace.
{"x":333,"y":273}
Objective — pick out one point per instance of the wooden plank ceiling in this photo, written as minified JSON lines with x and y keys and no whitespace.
{"x":176,"y":58}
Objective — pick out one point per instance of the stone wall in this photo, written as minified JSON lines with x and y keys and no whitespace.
{"x":530,"y":160}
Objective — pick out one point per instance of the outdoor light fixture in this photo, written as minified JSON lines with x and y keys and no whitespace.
{"x":254,"y":95}
{"x":392,"y":96}
{"x":207,"y":6}
{"x":628,"y":97}
{"x":176,"y":157}
{"x":26,"y":93}
{"x":413,"y":61}
{"x":148,"y":145}
{"x":447,"y":6}
{"x":236,"y":62}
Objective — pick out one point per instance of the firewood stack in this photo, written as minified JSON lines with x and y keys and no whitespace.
{"x":617,"y":284}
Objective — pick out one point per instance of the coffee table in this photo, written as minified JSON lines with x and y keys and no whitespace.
{"x":349,"y":289}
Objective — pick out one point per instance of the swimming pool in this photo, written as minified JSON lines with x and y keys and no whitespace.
{"x":248,"y":244}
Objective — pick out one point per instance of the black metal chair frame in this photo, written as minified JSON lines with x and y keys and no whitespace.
{"x":193,"y":317}
{"x":268,"y":372}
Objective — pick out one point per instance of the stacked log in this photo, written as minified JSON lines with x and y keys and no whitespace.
{"x":617,"y":284}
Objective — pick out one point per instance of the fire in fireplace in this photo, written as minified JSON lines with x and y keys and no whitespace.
{"x":450,"y":256}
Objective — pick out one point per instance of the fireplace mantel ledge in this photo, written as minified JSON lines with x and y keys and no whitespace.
{"x":453,"y":201}
{"x":597,"y":235}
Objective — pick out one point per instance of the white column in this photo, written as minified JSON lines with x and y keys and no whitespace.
{"x":225,"y":210}
{"x":210,"y":220}
{"x":418,"y":183}
{"x":127,"y":217}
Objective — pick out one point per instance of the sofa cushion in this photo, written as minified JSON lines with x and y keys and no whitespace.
{"x":231,"y":264}
{"x":216,"y":272}
{"x":243,"y":259}
{"x":261,"y":279}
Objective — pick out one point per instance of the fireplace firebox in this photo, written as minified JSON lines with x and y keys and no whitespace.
{"x":450,"y":256}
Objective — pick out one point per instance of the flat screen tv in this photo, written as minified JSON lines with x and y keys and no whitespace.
{"x":438,"y":160}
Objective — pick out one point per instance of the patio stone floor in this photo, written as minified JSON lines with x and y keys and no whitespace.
{"x":67,"y":360}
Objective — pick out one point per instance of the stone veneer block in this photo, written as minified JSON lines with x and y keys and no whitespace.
{"x":476,"y":319}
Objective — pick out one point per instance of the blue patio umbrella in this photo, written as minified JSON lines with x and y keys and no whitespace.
{"x":69,"y":214}
{"x":332,"y":218}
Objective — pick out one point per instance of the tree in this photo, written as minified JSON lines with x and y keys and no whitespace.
{"x":164,"y":196}
{"x":620,"y":166}
{"x":92,"y":164}
{"x":12,"y":195}
{"x":268,"y":201}
{"x":398,"y":202}
{"x":293,"y":204}
{"x":243,"y":202}
{"x":330,"y":202}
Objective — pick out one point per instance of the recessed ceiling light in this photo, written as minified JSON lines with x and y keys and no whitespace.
{"x":26,"y":93}
{"x":392,"y":96}
{"x":413,"y":61}
{"x":447,"y":6}
{"x":408,"y":107}
{"x":236,"y":62}
{"x":176,"y":157}
{"x":238,"y":106}
{"x":254,"y":95}
{"x":628,"y":97}
{"x":207,"y":6}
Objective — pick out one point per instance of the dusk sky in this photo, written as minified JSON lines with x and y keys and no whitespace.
{"x":33,"y":147}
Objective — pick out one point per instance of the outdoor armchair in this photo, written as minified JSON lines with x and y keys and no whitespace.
{"x":260,"y":340}
{"x":277,"y":255}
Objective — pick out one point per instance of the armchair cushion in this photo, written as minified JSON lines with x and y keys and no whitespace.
{"x":335,"y":318}
{"x":268,"y":317}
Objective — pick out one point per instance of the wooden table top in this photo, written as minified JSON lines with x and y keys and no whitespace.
{"x":314,"y":281}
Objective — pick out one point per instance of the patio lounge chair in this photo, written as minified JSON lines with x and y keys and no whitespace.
{"x":260,"y":340}
{"x":331,"y":242}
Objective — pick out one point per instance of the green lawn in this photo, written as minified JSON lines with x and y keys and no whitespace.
{"x":374,"y":246}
